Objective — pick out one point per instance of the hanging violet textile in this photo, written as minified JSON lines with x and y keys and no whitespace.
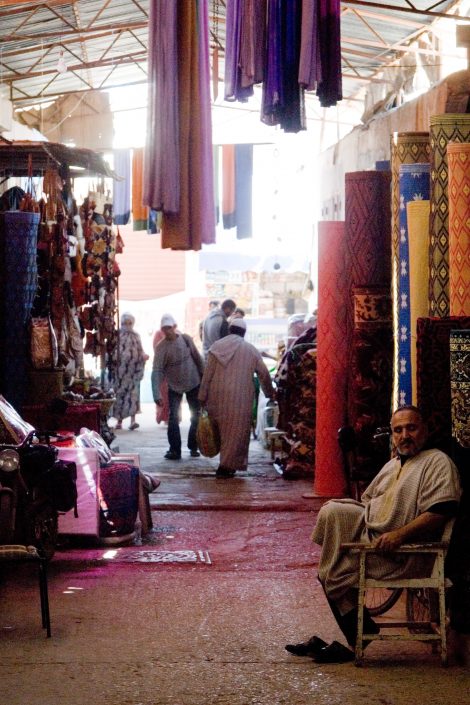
{"x":194,"y":223}
{"x":414,"y":185}
{"x":310,"y":74}
{"x":18,"y":282}
{"x":330,"y":90}
{"x":283,"y":98}
{"x":162,"y":163}
{"x":233,"y":22}
{"x":122,"y":188}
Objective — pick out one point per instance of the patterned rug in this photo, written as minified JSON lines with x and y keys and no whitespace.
{"x":460,"y":385}
{"x":18,"y":282}
{"x":367,"y":231}
{"x":332,"y":358}
{"x":458,"y":156}
{"x":433,"y":360}
{"x":405,"y":148}
{"x":414,"y":185}
{"x":370,"y":374}
{"x":444,"y":129}
{"x":418,"y":245}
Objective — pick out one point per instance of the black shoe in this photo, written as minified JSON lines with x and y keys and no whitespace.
{"x":224,"y":472}
{"x":307,"y":648}
{"x":334,"y":653}
{"x":194,"y":453}
{"x":172,"y":455}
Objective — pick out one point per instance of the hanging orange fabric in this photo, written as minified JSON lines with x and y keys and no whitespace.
{"x":139,"y":211}
{"x":228,"y":185}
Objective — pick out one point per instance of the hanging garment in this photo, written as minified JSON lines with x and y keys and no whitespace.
{"x":330,"y":89}
{"x":194,"y":224}
{"x":228,"y":186}
{"x":162,"y":157}
{"x":122,"y":189}
{"x":310,"y":74}
{"x":139,"y":210}
{"x":243,"y":190}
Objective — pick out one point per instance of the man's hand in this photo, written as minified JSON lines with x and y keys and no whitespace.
{"x":389,"y":541}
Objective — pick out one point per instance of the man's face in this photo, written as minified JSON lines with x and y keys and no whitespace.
{"x":408,"y":432}
{"x":169,"y":332}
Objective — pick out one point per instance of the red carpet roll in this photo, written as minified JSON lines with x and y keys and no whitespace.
{"x":332,"y":358}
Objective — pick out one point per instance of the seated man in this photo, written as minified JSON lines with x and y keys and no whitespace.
{"x":410,"y":499}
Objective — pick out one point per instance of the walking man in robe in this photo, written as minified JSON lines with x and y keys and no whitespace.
{"x":411,"y":499}
{"x":178,"y":361}
{"x":227,"y":391}
{"x":215,"y":325}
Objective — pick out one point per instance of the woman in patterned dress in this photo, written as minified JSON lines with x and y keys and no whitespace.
{"x":129,"y":373}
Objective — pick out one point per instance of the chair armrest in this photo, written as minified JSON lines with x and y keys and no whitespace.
{"x":427,"y":547}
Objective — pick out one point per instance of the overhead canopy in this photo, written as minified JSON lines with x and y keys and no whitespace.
{"x":104,"y":44}
{"x":14,"y":159}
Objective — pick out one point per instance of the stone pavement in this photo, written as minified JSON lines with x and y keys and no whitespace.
{"x":207,"y":626}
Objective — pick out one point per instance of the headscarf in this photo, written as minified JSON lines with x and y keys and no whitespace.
{"x":127,"y":317}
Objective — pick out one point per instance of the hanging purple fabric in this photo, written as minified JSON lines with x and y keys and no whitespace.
{"x":252,"y":42}
{"x":310,"y":63}
{"x":161,"y":168}
{"x":272,"y":87}
{"x":293,"y":115}
{"x":329,"y":91}
{"x":122,"y":189}
{"x":233,"y":25}
{"x":204,"y":121}
{"x":243,"y":189}
{"x":283,"y":98}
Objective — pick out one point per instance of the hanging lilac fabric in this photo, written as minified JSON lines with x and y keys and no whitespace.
{"x":273,"y":96}
{"x":330,"y":90}
{"x":414,"y":185}
{"x":233,"y":87}
{"x":162,"y":164}
{"x":122,"y":189}
{"x":244,"y":48}
{"x":310,"y":74}
{"x":252,"y":42}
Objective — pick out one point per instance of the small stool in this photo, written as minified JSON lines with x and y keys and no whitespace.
{"x":274,"y":440}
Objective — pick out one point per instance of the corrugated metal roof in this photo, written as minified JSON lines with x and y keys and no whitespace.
{"x":104,"y":42}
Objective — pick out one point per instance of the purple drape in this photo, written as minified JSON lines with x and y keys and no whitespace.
{"x":310,"y":63}
{"x":161,"y":168}
{"x":330,"y":89}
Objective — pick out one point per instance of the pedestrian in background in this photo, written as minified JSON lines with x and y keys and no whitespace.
{"x":129,"y":373}
{"x":178,"y":361}
{"x":215,"y":324}
{"x":227,"y":392}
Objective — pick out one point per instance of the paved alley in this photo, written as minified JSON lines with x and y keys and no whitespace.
{"x":208,"y":625}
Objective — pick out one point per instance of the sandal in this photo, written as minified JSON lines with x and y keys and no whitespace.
{"x":118,"y":426}
{"x":133,"y":426}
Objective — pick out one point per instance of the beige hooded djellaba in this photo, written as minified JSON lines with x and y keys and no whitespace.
{"x":227,"y":392}
{"x":396,"y":496}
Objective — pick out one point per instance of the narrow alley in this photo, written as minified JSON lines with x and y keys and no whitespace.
{"x":198,"y":611}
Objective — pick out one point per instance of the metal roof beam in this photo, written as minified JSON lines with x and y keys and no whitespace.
{"x":411,"y":10}
{"x":85,"y":33}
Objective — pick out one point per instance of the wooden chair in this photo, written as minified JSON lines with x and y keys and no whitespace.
{"x":431,"y":630}
{"x":14,"y":553}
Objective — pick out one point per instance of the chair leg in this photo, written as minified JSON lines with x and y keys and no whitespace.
{"x":442,"y":609}
{"x":359,"y":651}
{"x":44,"y":594}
